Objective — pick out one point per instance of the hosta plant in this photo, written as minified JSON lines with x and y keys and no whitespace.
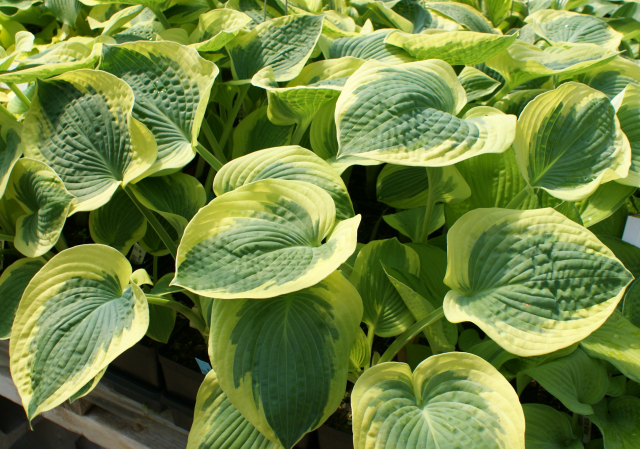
{"x":413,"y":207}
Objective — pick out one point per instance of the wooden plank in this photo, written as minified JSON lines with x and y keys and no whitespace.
{"x":104,"y":427}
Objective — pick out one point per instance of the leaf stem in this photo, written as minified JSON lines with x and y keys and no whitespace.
{"x":228,"y":126}
{"x":215,"y":145}
{"x":11,"y":252}
{"x":410,"y":333}
{"x":370,"y":336}
{"x":61,"y":244}
{"x":7,"y":237}
{"x":213,"y":161}
{"x":518,"y":199}
{"x":196,"y":320}
{"x":424,"y":232}
{"x":6,"y":112}
{"x":23,"y":98}
{"x":154,"y":222}
{"x":161,"y":17}
{"x":300,"y":130}
{"x":155,"y":268}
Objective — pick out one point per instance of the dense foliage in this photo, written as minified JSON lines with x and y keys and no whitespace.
{"x":267,"y":148}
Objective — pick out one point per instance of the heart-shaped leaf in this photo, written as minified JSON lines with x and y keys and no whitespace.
{"x":511,"y":273}
{"x":176,"y":198}
{"x":406,"y":114}
{"x":293,"y":163}
{"x":494,"y":180}
{"x":46,"y":204}
{"x":385,"y":313}
{"x":217,"y":28}
{"x":317,"y":84}
{"x":300,"y":341}
{"x":522,"y":62}
{"x":617,"y":342}
{"x":13,"y":281}
{"x":10,"y":151}
{"x":285,"y":44}
{"x":79,"y":312}
{"x":118,"y":223}
{"x":577,"y":380}
{"x":573,"y":28}
{"x":617,"y":419}
{"x":477,"y":84}
{"x":263,"y":239}
{"x":256,"y":132}
{"x":369,"y":46}
{"x":453,"y":47}
{"x":80,"y":125}
{"x":216,"y":421}
{"x":548,"y":428}
{"x":171,"y":84}
{"x":453,"y":400}
{"x":569,"y":141}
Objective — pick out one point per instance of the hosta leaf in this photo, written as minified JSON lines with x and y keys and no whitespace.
{"x":78,"y":314}
{"x":463,"y":14}
{"x":628,"y":254}
{"x":369,"y":46}
{"x":103,"y":16}
{"x":13,"y":281}
{"x":161,"y":323}
{"x":613,"y":77}
{"x":317,"y":84}
{"x":284,"y":43}
{"x":262,"y":240}
{"x":628,"y":113}
{"x":491,"y":351}
{"x":576,"y":380}
{"x":217,"y":28}
{"x":384,"y":310}
{"x":256,"y":132}
{"x":301,"y":340}
{"x":55,"y":60}
{"x":46,"y":204}
{"x":569,"y":141}
{"x":522,"y":62}
{"x":618,"y":342}
{"x":603,"y":202}
{"x":151,"y":241}
{"x":410,"y":222}
{"x":476,"y":84}
{"x":571,"y":27}
{"x":141,"y":31}
{"x":175,"y":197}
{"x":453,"y":400}
{"x":118,"y":223}
{"x":10,"y":151}
{"x":612,"y":226}
{"x":631,"y":304}
{"x":293,"y":163}
{"x":454,"y":47}
{"x":618,"y":420}
{"x":171,"y":84}
{"x":216,"y":422}
{"x":403,"y":187}
{"x":360,"y":353}
{"x":515,"y":274}
{"x":497,"y":10}
{"x":494,"y":180}
{"x":414,"y":293}
{"x":389,"y":113}
{"x":548,"y":428}
{"x":324,"y":142}
{"x":80,"y":124}
{"x":88,"y":387}
{"x":66,"y":11}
